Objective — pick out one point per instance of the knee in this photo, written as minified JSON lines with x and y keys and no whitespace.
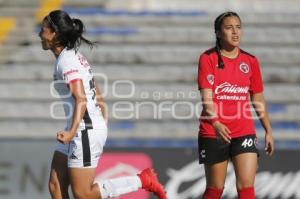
{"x":215,"y":183}
{"x":245,"y":181}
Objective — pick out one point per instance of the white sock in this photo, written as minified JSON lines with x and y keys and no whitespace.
{"x":115,"y":187}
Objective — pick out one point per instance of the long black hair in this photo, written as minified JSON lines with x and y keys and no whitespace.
{"x":218,"y":23}
{"x":69,"y":31}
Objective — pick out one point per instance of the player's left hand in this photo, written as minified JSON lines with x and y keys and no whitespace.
{"x":269,"y":143}
{"x":64,"y":137}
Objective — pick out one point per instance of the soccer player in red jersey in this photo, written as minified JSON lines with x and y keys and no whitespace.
{"x":229,"y":80}
{"x":81,"y":143}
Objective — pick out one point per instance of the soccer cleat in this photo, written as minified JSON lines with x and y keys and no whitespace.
{"x":150,"y":183}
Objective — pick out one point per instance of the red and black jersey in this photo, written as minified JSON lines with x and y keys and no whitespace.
{"x":231,"y":87}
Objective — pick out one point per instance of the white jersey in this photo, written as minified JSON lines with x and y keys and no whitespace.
{"x":72,"y":66}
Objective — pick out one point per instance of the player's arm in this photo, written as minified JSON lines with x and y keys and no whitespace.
{"x":100,"y":102}
{"x":208,"y":106}
{"x":205,"y":84}
{"x":77,"y":91}
{"x":209,"y":109}
{"x":259,"y":105}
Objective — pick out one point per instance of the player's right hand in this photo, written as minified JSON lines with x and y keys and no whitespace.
{"x":269,"y":143}
{"x":64,"y":137}
{"x":222,"y":131}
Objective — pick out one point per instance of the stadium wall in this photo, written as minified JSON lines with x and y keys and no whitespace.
{"x":24,"y":169}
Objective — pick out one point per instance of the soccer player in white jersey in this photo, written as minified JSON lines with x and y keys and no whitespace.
{"x":81,"y":143}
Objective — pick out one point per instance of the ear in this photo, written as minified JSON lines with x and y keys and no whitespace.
{"x":53,"y":35}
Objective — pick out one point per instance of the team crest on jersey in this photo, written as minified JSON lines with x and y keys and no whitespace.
{"x":210,"y":79}
{"x":244,"y":67}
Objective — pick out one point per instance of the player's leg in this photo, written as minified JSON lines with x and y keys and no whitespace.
{"x":147,"y":180}
{"x":214,"y":154}
{"x":150,"y":182}
{"x":59,"y":180}
{"x":245,"y":157}
{"x":111,"y":188}
{"x":245,"y":166}
{"x":82,"y":183}
{"x":215,"y":179}
{"x":85,"y":150}
{"x":84,"y":153}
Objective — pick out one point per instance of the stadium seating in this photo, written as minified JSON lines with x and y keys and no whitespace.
{"x":155,"y":46}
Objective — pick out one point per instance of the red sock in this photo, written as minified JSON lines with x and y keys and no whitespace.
{"x":246,"y":193}
{"x":212,"y":193}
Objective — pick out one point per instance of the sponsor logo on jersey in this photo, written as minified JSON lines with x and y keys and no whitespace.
{"x":244,"y":67}
{"x":226,"y":87}
{"x":210,"y":78}
{"x":70,"y":72}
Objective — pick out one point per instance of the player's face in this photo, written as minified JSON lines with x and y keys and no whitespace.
{"x":47,"y":36}
{"x":230,"y":33}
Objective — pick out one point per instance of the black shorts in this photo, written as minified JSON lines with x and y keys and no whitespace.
{"x":214,"y":150}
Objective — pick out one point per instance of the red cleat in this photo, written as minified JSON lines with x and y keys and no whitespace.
{"x":151,"y":183}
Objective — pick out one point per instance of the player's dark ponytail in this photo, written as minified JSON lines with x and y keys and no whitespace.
{"x":218,"y":23}
{"x":221,"y":64}
{"x":69,"y":31}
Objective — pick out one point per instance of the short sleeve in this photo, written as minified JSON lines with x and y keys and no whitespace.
{"x":70,"y":71}
{"x":205,"y":72}
{"x":256,"y":83}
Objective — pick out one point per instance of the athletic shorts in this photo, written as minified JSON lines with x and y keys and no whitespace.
{"x":85,"y":149}
{"x":215,"y":150}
